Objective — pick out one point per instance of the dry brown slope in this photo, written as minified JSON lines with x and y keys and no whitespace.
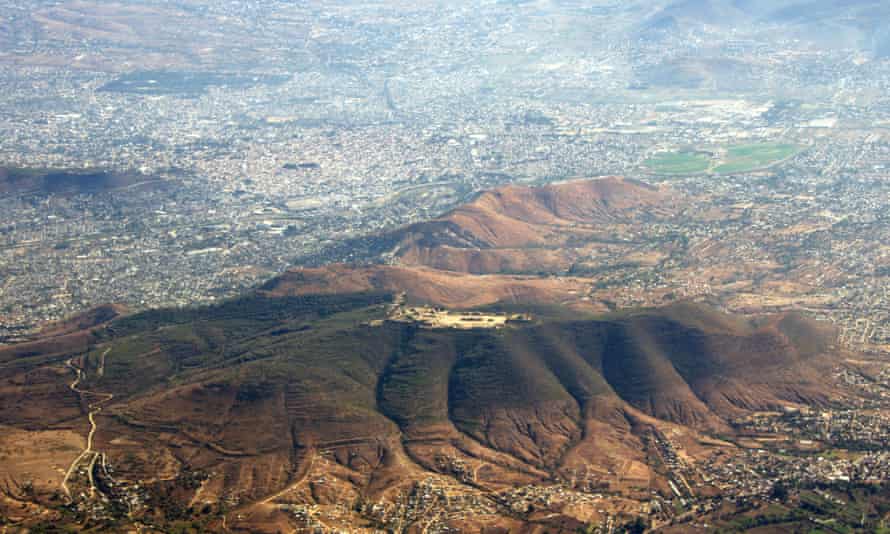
{"x":528,"y":229}
{"x":441,"y":288}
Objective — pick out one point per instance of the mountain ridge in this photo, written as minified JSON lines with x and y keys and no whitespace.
{"x":351,"y":388}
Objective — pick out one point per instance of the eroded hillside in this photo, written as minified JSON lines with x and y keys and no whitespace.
{"x":321,"y":402}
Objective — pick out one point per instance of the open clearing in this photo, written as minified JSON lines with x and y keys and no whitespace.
{"x":746,"y":158}
{"x":442,"y":318}
{"x":734,"y":159}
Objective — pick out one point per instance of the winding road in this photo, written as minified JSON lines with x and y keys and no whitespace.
{"x":93,"y":408}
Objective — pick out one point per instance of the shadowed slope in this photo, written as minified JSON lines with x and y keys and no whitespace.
{"x":264,"y":395}
{"x":68,"y":182}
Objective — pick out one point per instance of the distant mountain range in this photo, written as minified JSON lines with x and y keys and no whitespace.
{"x":852,"y":23}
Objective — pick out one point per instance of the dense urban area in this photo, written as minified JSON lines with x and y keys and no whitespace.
{"x":343,"y":130}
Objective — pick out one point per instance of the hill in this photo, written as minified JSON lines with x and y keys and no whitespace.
{"x":455,"y":384}
{"x":428,"y":286}
{"x":518,"y":229}
{"x":320,"y":401}
{"x":825,"y":23}
{"x":17,"y":181}
{"x":800,"y":13}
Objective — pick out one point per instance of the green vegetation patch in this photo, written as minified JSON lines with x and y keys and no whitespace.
{"x":679,"y":162}
{"x":746,"y":158}
{"x":737,"y":159}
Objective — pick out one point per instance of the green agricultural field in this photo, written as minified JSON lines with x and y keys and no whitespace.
{"x":738,"y":159}
{"x":679,"y":162}
{"x":746,"y":158}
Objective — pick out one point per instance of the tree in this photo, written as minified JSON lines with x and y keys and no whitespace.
{"x":779,"y":491}
{"x":637,"y":526}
